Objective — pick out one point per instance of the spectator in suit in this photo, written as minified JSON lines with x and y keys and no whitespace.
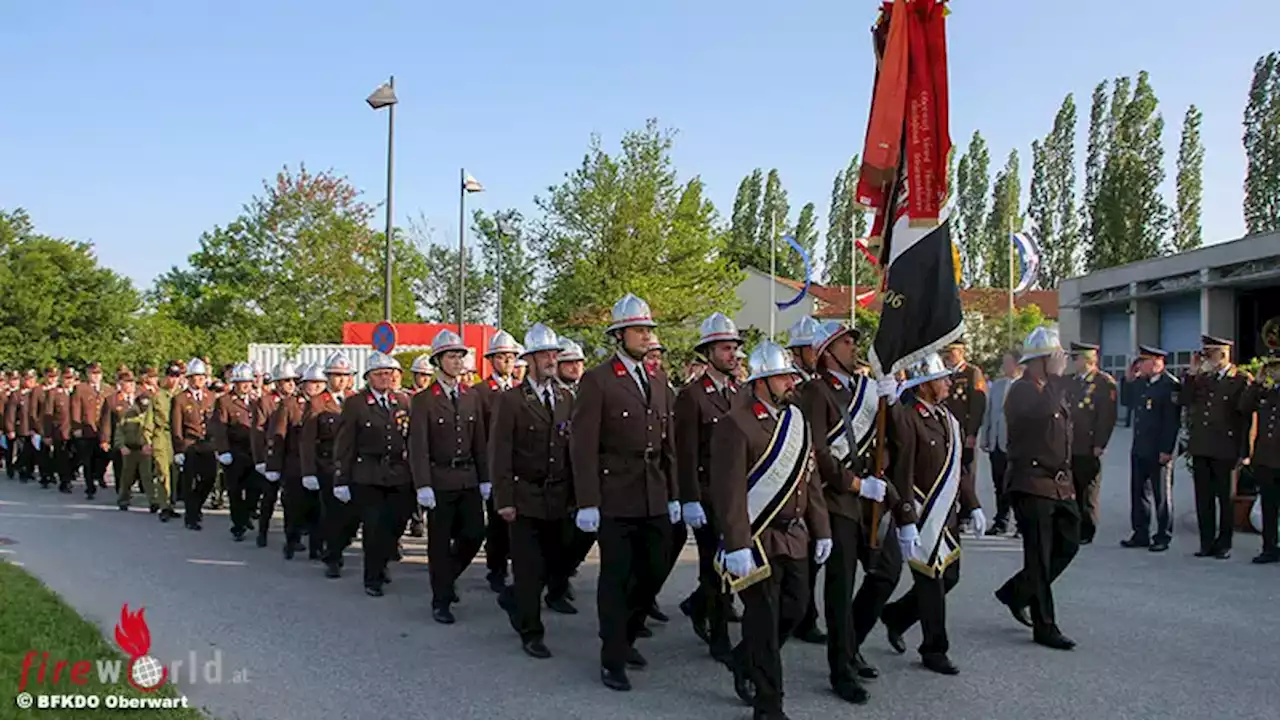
{"x":993,"y":437}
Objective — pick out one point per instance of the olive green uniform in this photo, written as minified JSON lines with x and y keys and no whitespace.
{"x":128,"y":437}
{"x":156,"y":432}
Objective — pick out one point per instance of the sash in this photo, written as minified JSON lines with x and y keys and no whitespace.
{"x":938,"y":548}
{"x":771,"y":482}
{"x":854,"y":430}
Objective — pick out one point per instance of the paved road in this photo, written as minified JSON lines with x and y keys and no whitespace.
{"x":1161,"y":636}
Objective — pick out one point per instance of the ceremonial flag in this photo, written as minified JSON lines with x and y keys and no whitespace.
{"x":1028,"y":259}
{"x":472,"y":185}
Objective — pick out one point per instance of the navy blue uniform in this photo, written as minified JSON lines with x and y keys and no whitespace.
{"x":1155,"y":432}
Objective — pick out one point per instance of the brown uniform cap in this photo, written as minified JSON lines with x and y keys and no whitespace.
{"x":94,"y":367}
{"x":69,"y":373}
{"x":124,"y":375}
{"x":51,"y":372}
{"x":150,"y":372}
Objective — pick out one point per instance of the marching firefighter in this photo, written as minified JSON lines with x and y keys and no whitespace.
{"x":767,"y":501}
{"x":570,"y":365}
{"x":157,"y":432}
{"x":422,"y":371}
{"x":447,"y":454}
{"x":114,"y":407}
{"x":319,"y":465}
{"x":622,"y":447}
{"x":1263,"y":397}
{"x":86,"y":415}
{"x":967,"y":402}
{"x":42,"y":417}
{"x":231,"y":426}
{"x":533,"y":488}
{"x":128,"y":439}
{"x":273,"y":449}
{"x":22,"y":431}
{"x":800,"y":345}
{"x":264,"y":399}
{"x":503,"y":353}
{"x":59,"y":410}
{"x":193,"y":448}
{"x":1093,"y":418}
{"x":284,"y":467}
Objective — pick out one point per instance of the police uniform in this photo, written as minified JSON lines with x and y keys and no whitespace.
{"x":1093,"y":418}
{"x":1155,"y":434}
{"x":1263,"y":398}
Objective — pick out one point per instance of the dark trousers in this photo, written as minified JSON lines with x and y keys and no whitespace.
{"x":1050,"y":538}
{"x":199,"y":469}
{"x":1268,"y":479}
{"x":881,"y":569}
{"x":93,"y":459}
{"x":1086,"y":475}
{"x":1215,"y":513}
{"x":679,"y":538}
{"x":243,"y":489}
{"x":11,"y":456}
{"x":455,"y":531}
{"x":926,"y":603}
{"x":538,"y":561}
{"x":47,"y":463}
{"x":770,"y":610}
{"x":61,"y":465}
{"x":580,"y":544}
{"x":809,"y":621}
{"x":382,"y":509}
{"x":634,"y":557}
{"x":272,"y":492}
{"x":497,"y":541}
{"x":841,"y":577}
{"x":1150,"y":482}
{"x":999,"y":462}
{"x":709,"y":602}
{"x":339,"y":521}
{"x":28,"y":457}
{"x":301,"y":514}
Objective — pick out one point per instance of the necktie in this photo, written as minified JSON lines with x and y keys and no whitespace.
{"x":644,"y":384}
{"x":383,"y":402}
{"x":546,"y":400}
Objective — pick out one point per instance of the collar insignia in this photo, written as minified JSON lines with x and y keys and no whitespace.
{"x":759,"y":409}
{"x":619,"y":370}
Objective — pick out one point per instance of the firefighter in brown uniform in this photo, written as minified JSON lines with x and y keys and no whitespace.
{"x":926,"y":447}
{"x":231,"y":428}
{"x":570,"y":366}
{"x":700,"y":406}
{"x":42,"y":420}
{"x":421,"y":371}
{"x":284,"y":466}
{"x":800,"y":344}
{"x":265,"y":398}
{"x":1038,"y":411}
{"x":502,"y":355}
{"x":129,"y":440}
{"x":372,"y":452}
{"x":1093,"y":417}
{"x":86,"y":415}
{"x":623,"y":452}
{"x":967,"y":402}
{"x":113,"y":410}
{"x":447,"y":454}
{"x":192,"y":447}
{"x":266,"y":406}
{"x":59,"y":408}
{"x":8,"y":385}
{"x":18,"y":427}
{"x":533,"y":488}
{"x":1263,"y":398}
{"x":318,"y":466}
{"x":766,"y":497}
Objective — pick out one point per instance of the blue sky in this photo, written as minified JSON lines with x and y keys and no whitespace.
{"x":138,"y":124}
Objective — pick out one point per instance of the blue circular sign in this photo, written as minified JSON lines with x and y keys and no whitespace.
{"x":384,"y":337}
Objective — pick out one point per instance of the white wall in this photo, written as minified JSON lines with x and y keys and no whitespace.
{"x":754,"y":295}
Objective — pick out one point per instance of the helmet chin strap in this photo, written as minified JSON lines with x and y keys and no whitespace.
{"x":843,"y":367}
{"x":623,"y":346}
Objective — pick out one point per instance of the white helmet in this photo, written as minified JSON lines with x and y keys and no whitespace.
{"x":521,"y":362}
{"x":422,"y":365}
{"x":539,"y":338}
{"x":338,"y":364}
{"x":257,"y":368}
{"x":923,"y":371}
{"x":501,"y":342}
{"x":380,"y":361}
{"x":768,"y":360}
{"x":446,"y":341}
{"x":1042,"y":342}
{"x":717,"y":328}
{"x":286,"y":370}
{"x":196,"y":367}
{"x":313,"y":373}
{"x":570,"y":351}
{"x":801,"y":333}
{"x":241,"y":372}
{"x":631,"y":311}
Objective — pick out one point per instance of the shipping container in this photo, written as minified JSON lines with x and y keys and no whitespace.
{"x":272,"y":354}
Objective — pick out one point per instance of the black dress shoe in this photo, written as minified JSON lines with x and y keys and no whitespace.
{"x":443,"y":615}
{"x":1159,"y":546}
{"x":644,"y":632}
{"x":166,"y":515}
{"x":940,"y":664}
{"x":722,"y":654}
{"x":1203,"y":552}
{"x":1266,"y":558}
{"x":852,"y":692}
{"x":743,"y":686}
{"x":194,"y":526}
{"x":154,"y":509}
{"x":332,"y":571}
{"x":996,"y":530}
{"x":261,"y":541}
{"x":123,"y":507}
{"x":864,"y":669}
{"x":635,"y":659}
{"x":497,"y":582}
{"x":373,"y":590}
{"x":1132,"y":542}
{"x":561,"y":606}
{"x":1020,"y":615}
{"x":686,"y":606}
{"x":615,"y":679}
{"x":288,"y":549}
{"x":535,"y":648}
{"x":769,"y":715}
{"x":237,"y":534}
{"x":656,"y":613}
{"x":1054,"y":638}
{"x":812,"y":635}
{"x":896,"y":641}
{"x":1223,"y":554}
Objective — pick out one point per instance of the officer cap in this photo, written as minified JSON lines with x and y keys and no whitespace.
{"x":1209,"y":342}
{"x":1082,"y":348}
{"x":1151,"y":351}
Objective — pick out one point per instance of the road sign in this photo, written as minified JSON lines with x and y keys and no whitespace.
{"x":384,"y":337}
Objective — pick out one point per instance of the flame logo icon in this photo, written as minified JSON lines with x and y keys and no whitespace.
{"x":146,"y":673}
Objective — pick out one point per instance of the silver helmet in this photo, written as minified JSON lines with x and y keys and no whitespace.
{"x":1042,"y":342}
{"x":313,"y":373}
{"x":539,"y":338}
{"x":446,"y":341}
{"x":801,"y":333}
{"x":631,"y":311}
{"x":926,"y":370}
{"x":570,"y":351}
{"x":422,"y":365}
{"x":501,"y":342}
{"x":380,"y":361}
{"x":655,"y":344}
{"x":828,"y":333}
{"x":717,"y":328}
{"x":768,"y":360}
{"x":286,"y":370}
{"x":257,"y":368}
{"x":196,"y":367}
{"x":338,"y":364}
{"x":241,"y":372}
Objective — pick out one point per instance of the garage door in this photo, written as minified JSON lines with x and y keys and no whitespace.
{"x":1116,"y":347}
{"x":1180,"y":330}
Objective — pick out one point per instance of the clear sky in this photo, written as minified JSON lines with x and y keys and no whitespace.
{"x":137,"y":124}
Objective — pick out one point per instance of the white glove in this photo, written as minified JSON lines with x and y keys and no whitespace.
{"x":693,"y":514}
{"x":979,"y":520}
{"x":908,"y":540}
{"x":872,"y":489}
{"x":180,"y":459}
{"x":673,"y":511}
{"x":739,"y":563}
{"x":822,"y":550}
{"x":887,"y":387}
{"x":342,"y":492}
{"x":486,"y":489}
{"x":311,"y":482}
{"x":427,"y":498}
{"x":261,"y":468}
{"x":225,"y":458}
{"x":272,"y":476}
{"x":35,"y":440}
{"x":588,"y":519}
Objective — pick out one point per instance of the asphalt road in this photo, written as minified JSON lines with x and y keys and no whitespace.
{"x":1161,"y":636}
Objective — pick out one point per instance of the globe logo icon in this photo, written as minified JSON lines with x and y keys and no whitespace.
{"x":146,"y":672}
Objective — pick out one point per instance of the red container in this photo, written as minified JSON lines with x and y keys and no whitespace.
{"x":476,"y":337}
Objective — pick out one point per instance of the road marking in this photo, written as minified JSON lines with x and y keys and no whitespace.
{"x":11,"y":502}
{"x":35,"y":516}
{"x":217,"y":562}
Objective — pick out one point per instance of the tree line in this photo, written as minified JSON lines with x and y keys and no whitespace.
{"x":301,"y":257}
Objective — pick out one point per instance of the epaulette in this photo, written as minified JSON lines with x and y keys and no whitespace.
{"x":759,"y":409}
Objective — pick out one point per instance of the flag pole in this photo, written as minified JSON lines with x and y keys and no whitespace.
{"x":1012,"y":252}
{"x":773,"y":281}
{"x":462,"y":250}
{"x":853,"y":283}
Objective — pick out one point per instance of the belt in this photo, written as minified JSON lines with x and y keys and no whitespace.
{"x":454,"y":463}
{"x":787,"y":524}
{"x":646,"y":454}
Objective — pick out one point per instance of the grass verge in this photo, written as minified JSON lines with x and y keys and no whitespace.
{"x":33,"y":617}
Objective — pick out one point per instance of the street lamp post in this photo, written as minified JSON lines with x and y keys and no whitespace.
{"x":385,"y":97}
{"x":505,"y":230}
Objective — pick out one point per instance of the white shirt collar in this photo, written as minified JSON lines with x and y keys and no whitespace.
{"x":720,"y":384}
{"x":844,"y":379}
{"x":768,"y":406}
{"x":503,"y":382}
{"x":378,"y":396}
{"x":630,"y":364}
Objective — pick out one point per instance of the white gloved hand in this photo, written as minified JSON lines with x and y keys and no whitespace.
{"x":427,"y":498}
{"x":180,"y":459}
{"x":908,"y":540}
{"x":342,"y":492}
{"x":739,"y":563}
{"x":225,"y":458}
{"x":261,"y":468}
{"x":588,"y":519}
{"x":822,"y":550}
{"x":271,"y":476}
{"x":486,"y":490}
{"x":979,"y":521}
{"x":35,"y":441}
{"x":311,"y":482}
{"x":673,"y":511}
{"x":872,"y":489}
{"x":693,"y":514}
{"x":888,"y":387}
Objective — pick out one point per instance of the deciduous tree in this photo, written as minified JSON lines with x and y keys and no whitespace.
{"x":1186,"y":230}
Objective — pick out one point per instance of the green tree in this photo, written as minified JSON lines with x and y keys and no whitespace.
{"x":973,"y":181}
{"x":775,"y":215}
{"x":1187,"y":231}
{"x":436,"y":291}
{"x":509,"y":254}
{"x":1004,"y":218}
{"x":1041,"y":204}
{"x":744,"y":232}
{"x":806,"y":234}
{"x":1051,"y":205}
{"x":1262,"y":147}
{"x":1095,"y":156}
{"x":835,"y":255}
{"x":847,"y":223}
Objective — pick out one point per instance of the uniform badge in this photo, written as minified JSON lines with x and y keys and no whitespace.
{"x":435,"y":389}
{"x":618,"y":369}
{"x":369,"y":399}
{"x":760,"y":411}
{"x":924,"y":411}
{"x":708,"y":385}
{"x":1148,"y":403}
{"x":493,"y":384}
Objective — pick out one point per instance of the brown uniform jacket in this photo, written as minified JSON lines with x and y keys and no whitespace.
{"x":447,"y":441}
{"x":487,"y":392}
{"x":622,"y":447}
{"x":86,"y":410}
{"x":1093,"y":411}
{"x":1264,"y":399}
{"x":700,"y":406}
{"x":1219,"y":428}
{"x":42,"y":414}
{"x":737,"y":443}
{"x":818,"y":398}
{"x":189,"y":421}
{"x":16,"y":418}
{"x":284,"y":438}
{"x":113,"y":409}
{"x":372,"y":447}
{"x":231,"y":425}
{"x":968,"y":399}
{"x":319,"y":433}
{"x":59,"y":410}
{"x":1040,"y":437}
{"x":264,"y":408}
{"x":529,"y":452}
{"x":918,"y":450}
